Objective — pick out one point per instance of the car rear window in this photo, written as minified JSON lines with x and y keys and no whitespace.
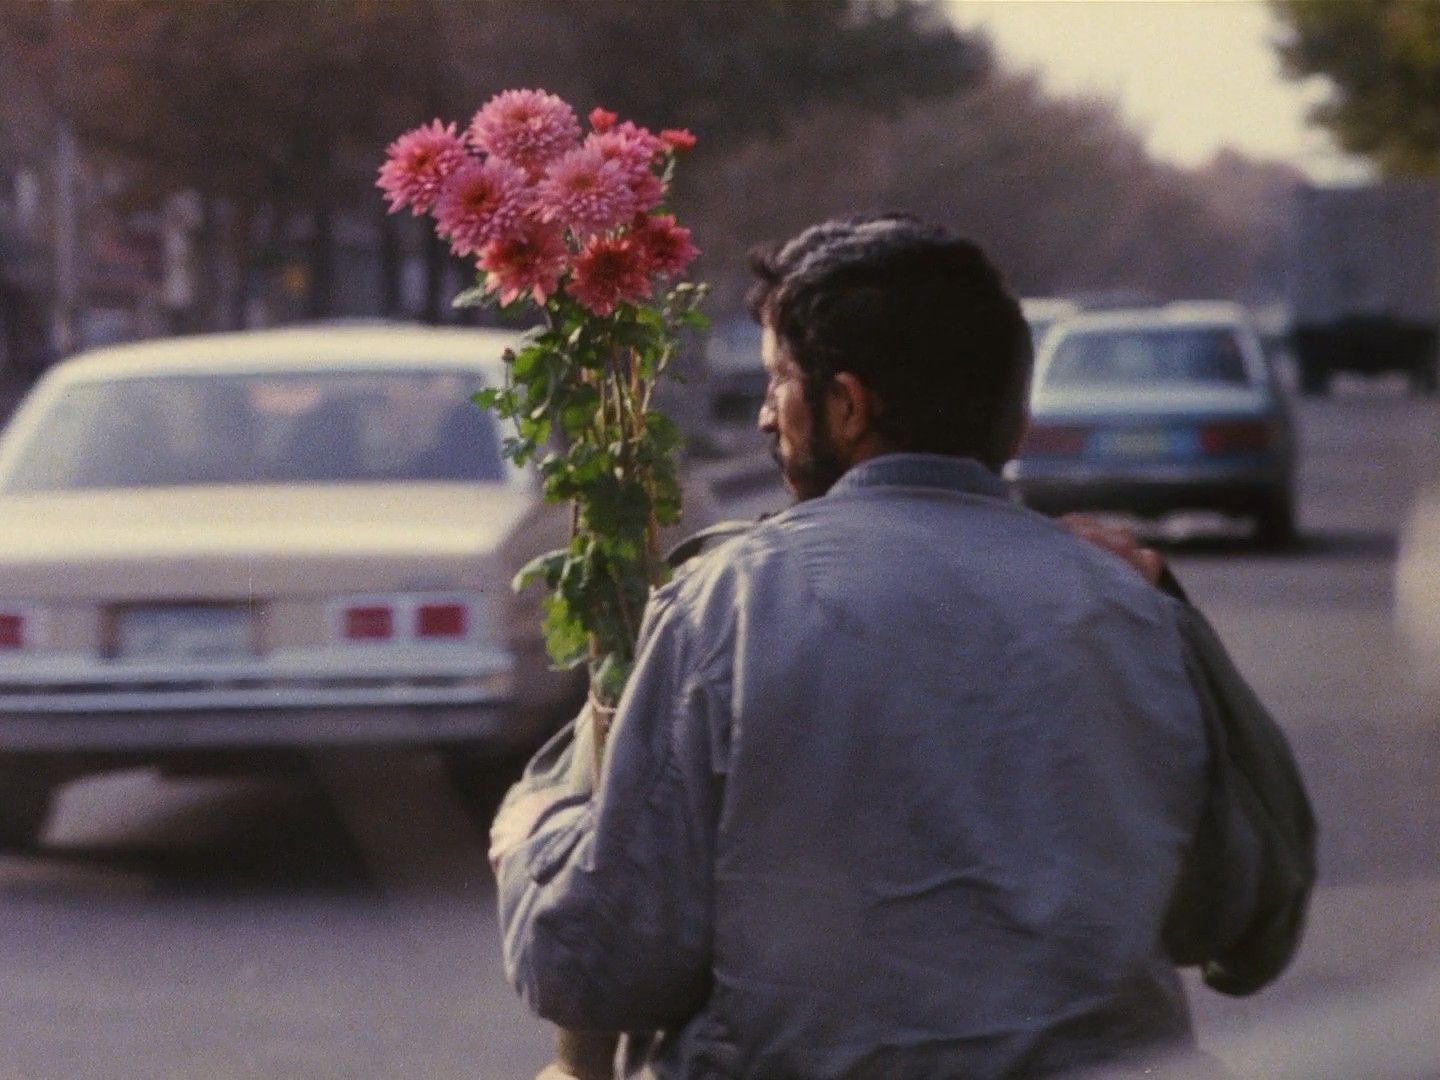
{"x":336,"y":427}
{"x":734,"y":346}
{"x":1210,"y":355}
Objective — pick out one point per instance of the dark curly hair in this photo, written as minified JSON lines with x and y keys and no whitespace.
{"x":920,"y":316}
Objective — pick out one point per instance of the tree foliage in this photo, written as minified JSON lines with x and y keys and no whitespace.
{"x":1061,"y":193}
{"x":1382,"y":58}
{"x":27,"y":106}
{"x":278,"y":112}
{"x":251,"y":96}
{"x":733,"y":68}
{"x":281,"y":109}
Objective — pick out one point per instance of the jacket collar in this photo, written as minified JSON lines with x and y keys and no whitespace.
{"x":923,"y":470}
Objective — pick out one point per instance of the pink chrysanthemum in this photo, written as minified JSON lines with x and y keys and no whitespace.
{"x":530,"y":262}
{"x":664,"y":246}
{"x":629,"y":149}
{"x":587,"y":193}
{"x":631,"y":130}
{"x":482,"y":202}
{"x":648,"y":190}
{"x":418,"y":163}
{"x":634,"y":153}
{"x":528,"y":128}
{"x":608,"y":271}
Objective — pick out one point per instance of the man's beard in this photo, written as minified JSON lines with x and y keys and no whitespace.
{"x":813,"y":470}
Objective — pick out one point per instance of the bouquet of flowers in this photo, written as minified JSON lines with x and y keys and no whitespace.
{"x":573,"y":225}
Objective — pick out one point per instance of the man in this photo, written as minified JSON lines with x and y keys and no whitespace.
{"x":906,"y":776}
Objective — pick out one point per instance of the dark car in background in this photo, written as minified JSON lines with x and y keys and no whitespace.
{"x":1154,"y":411}
{"x":735,"y":379}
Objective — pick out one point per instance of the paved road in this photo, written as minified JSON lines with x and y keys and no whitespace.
{"x":339,"y":924}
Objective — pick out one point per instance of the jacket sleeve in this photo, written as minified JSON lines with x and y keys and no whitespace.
{"x":605,"y":909}
{"x":1239,"y":908}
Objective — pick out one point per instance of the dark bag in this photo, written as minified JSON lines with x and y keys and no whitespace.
{"x":1239,"y":908}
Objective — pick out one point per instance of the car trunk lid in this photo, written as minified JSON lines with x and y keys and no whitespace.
{"x":240,"y":542}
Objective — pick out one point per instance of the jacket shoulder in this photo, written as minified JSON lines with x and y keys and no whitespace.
{"x":707,"y":540}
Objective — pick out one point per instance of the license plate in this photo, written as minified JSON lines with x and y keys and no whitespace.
{"x":184,"y":632}
{"x":1144,"y":443}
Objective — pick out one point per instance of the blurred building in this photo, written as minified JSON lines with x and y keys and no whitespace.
{"x":25,"y":281}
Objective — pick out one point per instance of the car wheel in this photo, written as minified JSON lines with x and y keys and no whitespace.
{"x":25,"y":800}
{"x":481,"y":779}
{"x":1423,"y":378}
{"x":1275,"y":522}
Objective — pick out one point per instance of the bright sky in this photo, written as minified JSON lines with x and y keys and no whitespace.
{"x":1191,"y":75}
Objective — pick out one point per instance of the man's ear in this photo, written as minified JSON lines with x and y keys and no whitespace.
{"x":850,"y":408}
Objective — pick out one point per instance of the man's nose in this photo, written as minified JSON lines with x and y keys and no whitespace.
{"x":766,"y":420}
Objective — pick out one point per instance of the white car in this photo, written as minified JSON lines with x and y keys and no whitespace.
{"x":268,"y":539}
{"x":1042,"y":314}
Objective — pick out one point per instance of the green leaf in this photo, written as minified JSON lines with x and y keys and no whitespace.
{"x":565,"y":638}
{"x":475,"y":296}
{"x":609,"y":676}
{"x":662,"y":433}
{"x":525,"y":362}
{"x":547,"y":567}
{"x":578,"y":413}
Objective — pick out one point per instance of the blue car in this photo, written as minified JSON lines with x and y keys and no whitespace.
{"x":1160,"y":410}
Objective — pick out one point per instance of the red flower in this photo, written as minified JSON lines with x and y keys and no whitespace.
{"x":608,"y":271}
{"x":601,"y":120}
{"x":532,"y":262}
{"x":678,"y":139}
{"x":664,"y":246}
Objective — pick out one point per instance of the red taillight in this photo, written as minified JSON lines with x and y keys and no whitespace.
{"x":1235,"y":437}
{"x":440,"y":620}
{"x":12,"y":631}
{"x":1066,"y":439}
{"x":369,"y":623}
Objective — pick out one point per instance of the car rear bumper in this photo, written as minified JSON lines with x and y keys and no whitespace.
{"x":1150,"y":490}
{"x":496,"y":726}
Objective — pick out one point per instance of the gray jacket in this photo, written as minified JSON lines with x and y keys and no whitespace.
{"x":901,"y":786}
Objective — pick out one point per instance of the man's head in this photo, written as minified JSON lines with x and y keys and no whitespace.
{"x":883,"y":334}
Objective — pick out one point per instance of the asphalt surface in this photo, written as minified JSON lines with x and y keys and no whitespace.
{"x":338,"y":923}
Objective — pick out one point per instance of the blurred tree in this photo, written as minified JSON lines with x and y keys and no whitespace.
{"x":1059,"y":190}
{"x":26,"y":106}
{"x":277,"y":114}
{"x":255,"y":106}
{"x":728,"y":69}
{"x":1382,"y":58}
{"x":27,"y":140}
{"x":1253,"y":202}
{"x":273,"y":110}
